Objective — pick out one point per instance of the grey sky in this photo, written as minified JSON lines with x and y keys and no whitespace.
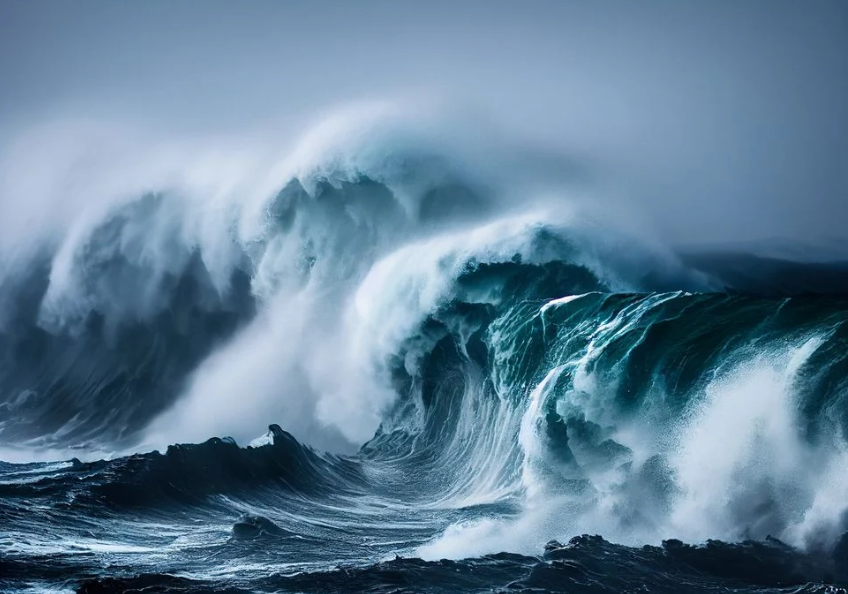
{"x":722,"y":120}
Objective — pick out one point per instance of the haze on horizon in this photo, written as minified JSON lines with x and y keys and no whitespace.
{"x":722,"y":121}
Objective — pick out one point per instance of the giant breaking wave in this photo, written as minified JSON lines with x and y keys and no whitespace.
{"x":480,"y":346}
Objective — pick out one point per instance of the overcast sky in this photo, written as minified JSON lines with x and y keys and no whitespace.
{"x":723,"y":120}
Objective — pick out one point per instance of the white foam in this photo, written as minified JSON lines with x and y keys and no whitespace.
{"x":339,"y":291}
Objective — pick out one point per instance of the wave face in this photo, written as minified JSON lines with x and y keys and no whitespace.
{"x":483,"y":365}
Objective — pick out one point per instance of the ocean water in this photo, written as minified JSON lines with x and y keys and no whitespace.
{"x":470,"y":383}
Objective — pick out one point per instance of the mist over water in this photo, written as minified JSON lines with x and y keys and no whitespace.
{"x":720,"y":123}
